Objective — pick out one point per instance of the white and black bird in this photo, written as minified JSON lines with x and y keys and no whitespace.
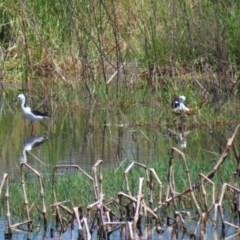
{"x":29,"y":114}
{"x":178,"y":104}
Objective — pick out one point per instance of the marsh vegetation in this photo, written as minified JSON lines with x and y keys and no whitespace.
{"x":107,"y":72}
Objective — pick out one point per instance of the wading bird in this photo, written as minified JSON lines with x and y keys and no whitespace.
{"x":29,"y":114}
{"x":178,"y":104}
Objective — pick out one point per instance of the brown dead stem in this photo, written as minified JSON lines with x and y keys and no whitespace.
{"x":209,"y":175}
{"x":130,"y":167}
{"x":98,"y":178}
{"x":6,"y":182}
{"x":171,"y":183}
{"x":42,"y":195}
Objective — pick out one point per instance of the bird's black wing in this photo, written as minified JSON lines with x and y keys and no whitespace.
{"x":175,"y":102}
{"x":38,"y":113}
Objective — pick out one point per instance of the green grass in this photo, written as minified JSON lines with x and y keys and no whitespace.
{"x":74,"y":189}
{"x":83,"y":43}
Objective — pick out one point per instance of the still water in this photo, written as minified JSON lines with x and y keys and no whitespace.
{"x":76,"y":137}
{"x":69,"y":138}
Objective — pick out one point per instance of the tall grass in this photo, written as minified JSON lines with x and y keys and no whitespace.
{"x":86,"y":42}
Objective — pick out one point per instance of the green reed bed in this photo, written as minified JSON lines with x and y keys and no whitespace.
{"x":74,"y":189}
{"x":89,"y":43}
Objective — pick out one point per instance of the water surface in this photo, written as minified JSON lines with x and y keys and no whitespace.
{"x":72,"y":137}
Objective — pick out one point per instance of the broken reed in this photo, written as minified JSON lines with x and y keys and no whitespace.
{"x":154,"y":193}
{"x":75,"y":188}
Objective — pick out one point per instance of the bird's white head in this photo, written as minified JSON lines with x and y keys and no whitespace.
{"x":21,"y":98}
{"x":182,"y":99}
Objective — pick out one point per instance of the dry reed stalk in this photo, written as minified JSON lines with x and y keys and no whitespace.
{"x":224,"y":154}
{"x":153,"y":175}
{"x":100,"y":212}
{"x":219,"y":204}
{"x":204,"y":192}
{"x":107,"y":219}
{"x":170,"y":194}
{"x":114,"y":223}
{"x":16,"y":226}
{"x":132,"y":199}
{"x":93,"y":205}
{"x":111,"y":201}
{"x":203,"y":215}
{"x":25,"y":193}
{"x":44,"y":210}
{"x":66,"y":209}
{"x":139,"y":205}
{"x":28,"y":222}
{"x":58,"y":205}
{"x":98,"y":178}
{"x":130,"y":230}
{"x":115,"y":73}
{"x":6,"y":182}
{"x":237,"y":157}
{"x":178,"y":219}
{"x":115,"y":226}
{"x":108,"y":224}
{"x":216,"y":207}
{"x":59,"y":218}
{"x":74,"y":216}
{"x":87,"y":229}
{"x":126,"y":172}
{"x":77,"y":218}
{"x":235,"y":234}
{"x":173,"y":194}
{"x":211,"y":174}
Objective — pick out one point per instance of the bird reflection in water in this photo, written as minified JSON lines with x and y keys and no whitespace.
{"x":31,"y":142}
{"x":181,"y":137}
